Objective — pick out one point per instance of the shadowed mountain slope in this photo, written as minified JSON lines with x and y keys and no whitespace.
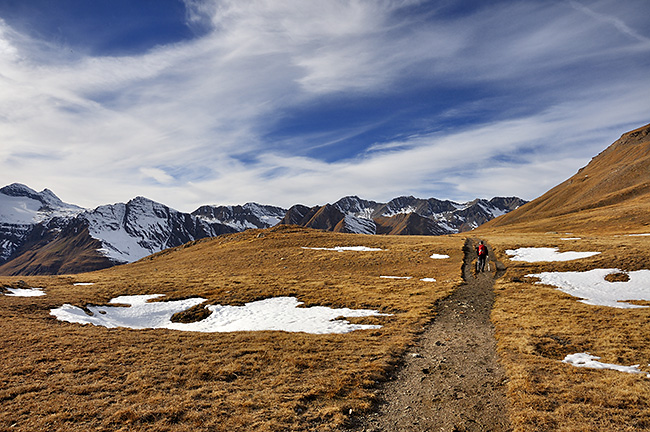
{"x":611,"y":193}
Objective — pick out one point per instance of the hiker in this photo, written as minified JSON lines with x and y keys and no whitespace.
{"x":482,"y":252}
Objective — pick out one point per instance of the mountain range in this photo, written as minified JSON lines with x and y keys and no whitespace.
{"x":40,"y":234}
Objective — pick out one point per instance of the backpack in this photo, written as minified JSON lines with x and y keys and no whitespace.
{"x":482,"y":250}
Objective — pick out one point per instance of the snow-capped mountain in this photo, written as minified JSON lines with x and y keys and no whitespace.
{"x":22,"y":209}
{"x":240,"y":218}
{"x":40,"y":234}
{"x":43,"y":225}
{"x":131,"y":231}
{"x":402,"y":215}
{"x":21,"y":205}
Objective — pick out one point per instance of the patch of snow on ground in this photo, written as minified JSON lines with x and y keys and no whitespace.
{"x":395,"y":277}
{"x":25,"y":292}
{"x":590,"y":361}
{"x":347,"y":248}
{"x":532,"y":254}
{"x":571,"y":238}
{"x":83,"y":283}
{"x":428,"y":280}
{"x":638,"y":235}
{"x":592,"y":287}
{"x":439,"y":256}
{"x":278,"y":313}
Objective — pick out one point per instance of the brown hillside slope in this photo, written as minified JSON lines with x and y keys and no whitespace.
{"x":72,"y":251}
{"x":611,"y":193}
{"x":60,"y":376}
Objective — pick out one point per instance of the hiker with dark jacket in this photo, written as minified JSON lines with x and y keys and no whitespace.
{"x":482,"y":252}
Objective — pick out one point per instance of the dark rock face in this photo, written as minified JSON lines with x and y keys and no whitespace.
{"x":250,"y":215}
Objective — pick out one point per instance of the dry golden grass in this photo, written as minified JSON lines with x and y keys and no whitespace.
{"x":537,"y":326}
{"x":59,"y":376}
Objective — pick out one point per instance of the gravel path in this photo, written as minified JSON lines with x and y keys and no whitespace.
{"x":451,"y":381}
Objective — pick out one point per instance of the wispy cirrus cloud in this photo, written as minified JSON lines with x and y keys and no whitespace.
{"x":287,"y":102}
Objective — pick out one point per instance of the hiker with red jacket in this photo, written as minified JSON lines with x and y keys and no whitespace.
{"x":482,"y":252}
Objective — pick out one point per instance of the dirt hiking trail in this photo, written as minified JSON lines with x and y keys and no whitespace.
{"x":451,"y":380}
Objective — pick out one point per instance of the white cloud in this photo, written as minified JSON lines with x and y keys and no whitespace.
{"x":187,"y":116}
{"x":157,"y":174}
{"x":619,"y":24}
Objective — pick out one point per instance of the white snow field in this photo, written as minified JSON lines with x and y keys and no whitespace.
{"x":439,"y":256}
{"x":346,"y":248}
{"x":590,"y":361}
{"x":25,"y":292}
{"x":593,"y":289}
{"x":278,"y":313}
{"x":532,"y":254}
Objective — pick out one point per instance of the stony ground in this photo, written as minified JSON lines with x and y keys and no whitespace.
{"x":451,"y":380}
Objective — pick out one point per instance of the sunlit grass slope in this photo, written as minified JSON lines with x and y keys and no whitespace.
{"x":538,"y":325}
{"x":60,"y":376}
{"x":611,"y":194}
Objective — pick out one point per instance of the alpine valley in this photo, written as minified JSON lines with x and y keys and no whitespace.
{"x":40,"y":234}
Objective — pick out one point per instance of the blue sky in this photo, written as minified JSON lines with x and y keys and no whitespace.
{"x":287,"y":101}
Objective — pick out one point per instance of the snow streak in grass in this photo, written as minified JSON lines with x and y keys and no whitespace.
{"x":25,"y":292}
{"x":439,"y":256}
{"x":347,"y":248}
{"x":279,"y":313}
{"x":587,"y":360}
{"x":408,"y":277}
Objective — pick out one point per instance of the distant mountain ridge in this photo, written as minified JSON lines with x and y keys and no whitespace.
{"x":400,"y":216}
{"x":40,"y":234}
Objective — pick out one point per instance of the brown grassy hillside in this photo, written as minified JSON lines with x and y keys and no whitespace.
{"x":611,"y":193}
{"x":73,"y":251}
{"x":60,"y":376}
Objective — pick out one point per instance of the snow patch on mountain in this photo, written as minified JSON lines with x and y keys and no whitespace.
{"x":141,"y":227}
{"x":359,"y":225}
{"x":20,"y":205}
{"x":399,"y":210}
